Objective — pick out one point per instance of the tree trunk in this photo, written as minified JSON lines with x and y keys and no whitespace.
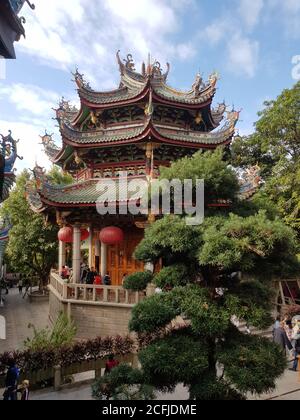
{"x":212,"y":357}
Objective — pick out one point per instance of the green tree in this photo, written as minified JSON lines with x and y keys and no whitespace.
{"x":32,"y":247}
{"x":203,"y":263}
{"x":57,"y":177}
{"x":275,"y":146}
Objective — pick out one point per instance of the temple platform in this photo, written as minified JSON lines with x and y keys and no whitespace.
{"x":96,"y":310}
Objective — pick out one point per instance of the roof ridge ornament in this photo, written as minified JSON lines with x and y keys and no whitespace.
{"x":213,"y":78}
{"x":129,"y":63}
{"x":64,"y":107}
{"x":31,"y":5}
{"x":80,"y":81}
{"x":152,"y":69}
{"x":198,"y":85}
{"x":149,"y":109}
{"x":9,"y":151}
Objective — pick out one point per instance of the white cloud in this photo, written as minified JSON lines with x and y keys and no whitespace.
{"x":250,"y":11}
{"x":243,"y":55}
{"x":241,"y":51}
{"x":217,"y":30}
{"x":287,"y":13}
{"x":33,"y":115}
{"x":88,"y":34}
{"x":29,"y":98}
{"x":28,"y":146}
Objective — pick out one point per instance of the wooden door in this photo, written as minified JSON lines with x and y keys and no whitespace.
{"x":120,"y":260}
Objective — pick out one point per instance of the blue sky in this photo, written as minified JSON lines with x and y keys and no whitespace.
{"x":251,"y":43}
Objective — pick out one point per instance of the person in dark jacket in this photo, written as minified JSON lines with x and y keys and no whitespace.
{"x":90,"y":278}
{"x":107,"y":280}
{"x":281,"y":338}
{"x":11,"y":382}
{"x":296,"y":355}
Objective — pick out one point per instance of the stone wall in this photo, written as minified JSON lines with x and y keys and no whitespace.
{"x":92,"y":320}
{"x":55,"y":307}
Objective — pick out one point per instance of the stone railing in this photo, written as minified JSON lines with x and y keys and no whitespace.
{"x":93,"y":294}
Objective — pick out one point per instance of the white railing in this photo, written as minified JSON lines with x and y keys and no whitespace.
{"x":91,"y":293}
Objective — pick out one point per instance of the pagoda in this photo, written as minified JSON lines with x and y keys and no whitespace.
{"x":137,"y":128}
{"x":11,"y":25}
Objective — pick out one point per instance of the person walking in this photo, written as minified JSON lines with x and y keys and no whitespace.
{"x":20,"y":285}
{"x":24,"y":390}
{"x":296,"y":344}
{"x":27,"y":285}
{"x":281,"y":338}
{"x":11,"y":382}
{"x":110,"y":364}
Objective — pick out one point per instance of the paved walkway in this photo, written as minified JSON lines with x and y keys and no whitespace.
{"x":288,"y":389}
{"x":84,"y":392}
{"x":18,"y":313}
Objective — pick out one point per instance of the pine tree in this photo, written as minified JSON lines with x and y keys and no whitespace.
{"x":203,"y":289}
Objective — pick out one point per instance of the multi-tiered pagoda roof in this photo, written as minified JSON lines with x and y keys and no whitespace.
{"x":141,"y":125}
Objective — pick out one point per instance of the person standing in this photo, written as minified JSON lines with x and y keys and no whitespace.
{"x":124,"y":278}
{"x":83,"y":273}
{"x":106,"y":280}
{"x":90,"y":278}
{"x":20,"y":285}
{"x":11,"y":382}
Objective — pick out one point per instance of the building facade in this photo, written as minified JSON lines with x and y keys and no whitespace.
{"x":134,"y":130}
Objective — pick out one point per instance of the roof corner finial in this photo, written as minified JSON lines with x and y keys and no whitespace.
{"x":167,"y":71}
{"x":143,"y":69}
{"x":121,"y":65}
{"x":31,"y":5}
{"x":149,"y":65}
{"x":149,"y":107}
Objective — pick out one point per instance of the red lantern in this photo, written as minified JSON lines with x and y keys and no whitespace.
{"x":84,"y":234}
{"x":111,"y":235}
{"x":65,"y":234}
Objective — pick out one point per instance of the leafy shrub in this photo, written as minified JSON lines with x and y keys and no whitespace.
{"x":96,"y":349}
{"x":122,"y":383}
{"x":174,"y":275}
{"x":138,"y":281}
{"x":62,"y":334}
